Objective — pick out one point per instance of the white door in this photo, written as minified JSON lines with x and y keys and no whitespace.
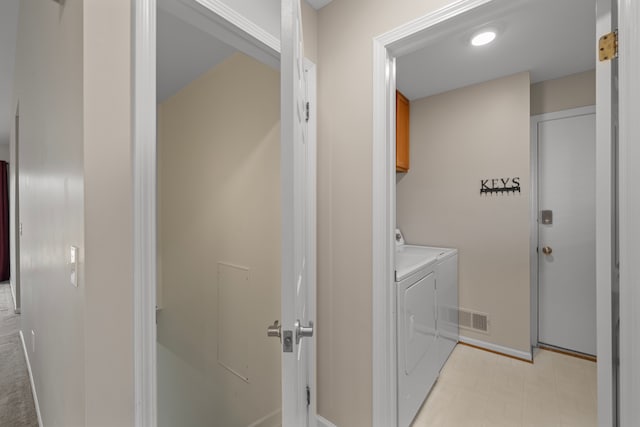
{"x":566,"y":230}
{"x":294,"y":151}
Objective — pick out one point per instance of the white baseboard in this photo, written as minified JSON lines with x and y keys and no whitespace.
{"x":323,"y":422}
{"x":273,"y":419}
{"x":33,"y":385}
{"x":497,"y":348}
{"x":16,"y":309}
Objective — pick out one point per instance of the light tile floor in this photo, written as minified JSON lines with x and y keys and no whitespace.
{"x":481,"y":389}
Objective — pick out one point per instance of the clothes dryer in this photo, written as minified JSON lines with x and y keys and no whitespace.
{"x":424,"y":276}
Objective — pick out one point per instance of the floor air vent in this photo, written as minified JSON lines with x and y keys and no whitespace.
{"x":474,"y":321}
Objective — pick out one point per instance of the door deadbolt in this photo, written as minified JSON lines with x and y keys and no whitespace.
{"x":274,"y":330}
{"x":547,"y":250}
{"x":286,"y":337}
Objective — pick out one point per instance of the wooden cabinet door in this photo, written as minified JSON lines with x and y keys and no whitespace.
{"x":402,"y":133}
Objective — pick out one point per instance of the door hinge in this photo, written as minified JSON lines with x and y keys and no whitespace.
{"x":307,"y":113}
{"x":608,"y":46}
{"x":308,"y":396}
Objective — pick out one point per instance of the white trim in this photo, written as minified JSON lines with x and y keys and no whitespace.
{"x":384,"y":379}
{"x":239,"y":21}
{"x":604,"y":219}
{"x":144,"y":213}
{"x":323,"y":422}
{"x":16,"y":309}
{"x":270,"y":420}
{"x":312,"y":156}
{"x":563,"y":114}
{"x":629,"y":208}
{"x":403,"y":39}
{"x":228,"y":26}
{"x":533,"y":234}
{"x":33,"y":384}
{"x":498,"y":348}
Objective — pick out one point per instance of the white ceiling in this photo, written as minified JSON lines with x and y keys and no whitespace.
{"x":8,"y":36}
{"x":184,"y":53}
{"x":549,"y":38}
{"x":318,"y":4}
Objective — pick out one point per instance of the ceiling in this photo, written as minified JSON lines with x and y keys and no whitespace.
{"x":183,"y":53}
{"x":548,"y":38}
{"x":318,"y":4}
{"x":8,"y":36}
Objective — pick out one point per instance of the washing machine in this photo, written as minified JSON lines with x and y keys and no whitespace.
{"x":426,"y":320}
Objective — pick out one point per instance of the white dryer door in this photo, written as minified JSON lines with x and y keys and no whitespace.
{"x":419,"y":327}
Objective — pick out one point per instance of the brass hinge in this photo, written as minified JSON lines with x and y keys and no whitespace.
{"x":608,"y":46}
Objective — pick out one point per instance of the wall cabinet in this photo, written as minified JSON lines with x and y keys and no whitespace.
{"x":402,"y":132}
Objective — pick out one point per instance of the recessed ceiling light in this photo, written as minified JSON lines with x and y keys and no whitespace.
{"x":483,"y":38}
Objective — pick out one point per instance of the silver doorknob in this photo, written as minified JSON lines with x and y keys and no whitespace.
{"x":303,"y":331}
{"x":547,"y":250}
{"x":274,"y":330}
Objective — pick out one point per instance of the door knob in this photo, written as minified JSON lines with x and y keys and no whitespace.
{"x":303,"y":331}
{"x":547,"y":250}
{"x":274,"y":330}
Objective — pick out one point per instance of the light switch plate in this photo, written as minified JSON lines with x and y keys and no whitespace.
{"x":73,"y":265}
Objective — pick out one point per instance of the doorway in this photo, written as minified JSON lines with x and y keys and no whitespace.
{"x":218,"y":235}
{"x":565,"y":143}
{"x":449,"y":25}
{"x":295,"y":164}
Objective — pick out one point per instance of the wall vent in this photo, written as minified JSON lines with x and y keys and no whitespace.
{"x":473,"y":321}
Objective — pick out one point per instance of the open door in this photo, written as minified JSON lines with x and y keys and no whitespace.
{"x":297,"y":327}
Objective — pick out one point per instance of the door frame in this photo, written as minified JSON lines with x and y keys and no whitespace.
{"x":534,"y":243}
{"x":629,"y":208}
{"x":411,"y":36}
{"x":14,"y":211}
{"x":219,"y":20}
{"x":386,"y":47}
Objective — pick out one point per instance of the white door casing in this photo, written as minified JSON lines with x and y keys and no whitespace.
{"x":408,"y":37}
{"x":14,"y":213}
{"x":294,"y":158}
{"x":566,"y":187}
{"x":386,"y":47}
{"x":605,"y":212}
{"x":298,"y":198}
{"x":628,"y":85}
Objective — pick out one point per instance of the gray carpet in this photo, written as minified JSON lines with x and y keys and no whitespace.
{"x":16,"y":401}
{"x":9,"y":321}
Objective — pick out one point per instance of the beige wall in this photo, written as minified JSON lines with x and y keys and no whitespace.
{"x":73,"y":87}
{"x":109,"y":383}
{"x":310,"y":30}
{"x":4,"y":151}
{"x":576,"y":90}
{"x":49,"y":90}
{"x":219,"y":202}
{"x":345,"y":32}
{"x":457,"y":139}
